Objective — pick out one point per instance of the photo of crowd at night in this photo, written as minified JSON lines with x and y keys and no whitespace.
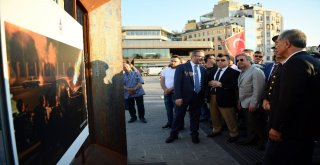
{"x":48,"y":99}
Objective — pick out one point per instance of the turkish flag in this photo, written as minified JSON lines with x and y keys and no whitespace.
{"x":235,"y":44}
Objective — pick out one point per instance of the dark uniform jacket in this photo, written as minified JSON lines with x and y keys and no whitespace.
{"x":295,"y":99}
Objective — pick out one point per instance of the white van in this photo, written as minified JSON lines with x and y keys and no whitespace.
{"x":154,"y":71}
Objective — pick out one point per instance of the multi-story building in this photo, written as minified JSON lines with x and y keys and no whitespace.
{"x":215,"y":33}
{"x":151,"y":33}
{"x":153,"y":45}
{"x":229,"y":17}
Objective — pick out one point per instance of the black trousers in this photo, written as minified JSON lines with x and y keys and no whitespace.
{"x":194,"y":107}
{"x":255,"y":125}
{"x":140,"y":105}
{"x":289,"y":152}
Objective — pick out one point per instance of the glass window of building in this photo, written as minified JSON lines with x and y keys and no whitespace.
{"x":268,"y":34}
{"x":219,"y":47}
{"x":146,"y":53}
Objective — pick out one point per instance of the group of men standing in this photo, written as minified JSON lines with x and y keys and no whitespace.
{"x":289,"y":92}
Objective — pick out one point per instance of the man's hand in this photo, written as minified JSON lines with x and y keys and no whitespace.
{"x":266,"y":104}
{"x":275,"y":135}
{"x":252,"y":108}
{"x":179,"y":102}
{"x":238,"y":105}
{"x":167,"y":91}
{"x":131,"y":91}
{"x":214,"y":83}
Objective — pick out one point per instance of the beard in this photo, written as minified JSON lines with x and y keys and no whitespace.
{"x":173,"y":66}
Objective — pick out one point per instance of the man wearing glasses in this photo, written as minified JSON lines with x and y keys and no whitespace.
{"x":189,"y":85}
{"x":223,"y":84}
{"x":251,"y":83}
{"x":258,"y":57}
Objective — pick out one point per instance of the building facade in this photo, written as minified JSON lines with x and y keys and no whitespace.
{"x":213,"y":33}
{"x":154,"y":45}
{"x":229,"y":17}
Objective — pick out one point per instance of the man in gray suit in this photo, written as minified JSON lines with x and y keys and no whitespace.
{"x":251,"y":83}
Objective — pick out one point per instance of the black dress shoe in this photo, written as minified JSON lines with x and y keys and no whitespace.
{"x":213,"y":134}
{"x":195,"y":139}
{"x":233,"y":139}
{"x":171,"y":138}
{"x":143,"y":120}
{"x":132,"y":120}
{"x":166,"y":126}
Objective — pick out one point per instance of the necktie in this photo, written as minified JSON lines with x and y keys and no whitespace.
{"x":196,"y":80}
{"x":274,"y":67}
{"x":275,"y":70}
{"x":218,"y":75}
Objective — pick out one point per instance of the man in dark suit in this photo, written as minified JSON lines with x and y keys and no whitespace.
{"x":223,"y":83}
{"x":294,"y":113}
{"x":189,"y":85}
{"x":272,"y":72}
{"x":270,"y":67}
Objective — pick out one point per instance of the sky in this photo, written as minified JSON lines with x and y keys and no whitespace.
{"x":174,"y":14}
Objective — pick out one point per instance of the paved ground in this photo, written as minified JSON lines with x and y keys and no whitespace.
{"x":146,"y":142}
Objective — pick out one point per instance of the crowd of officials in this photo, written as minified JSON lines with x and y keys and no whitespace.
{"x":276,"y":103}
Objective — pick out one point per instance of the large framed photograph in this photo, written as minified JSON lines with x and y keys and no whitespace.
{"x":42,"y":54}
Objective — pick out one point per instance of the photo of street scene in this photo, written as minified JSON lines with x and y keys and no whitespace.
{"x":48,"y":97}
